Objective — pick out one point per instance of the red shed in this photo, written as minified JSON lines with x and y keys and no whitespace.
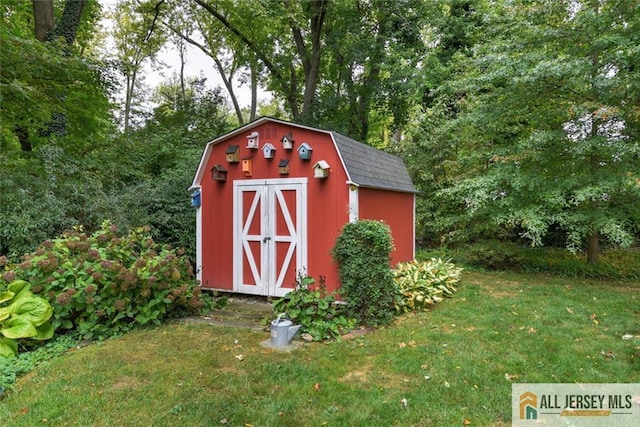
{"x":272,"y":196}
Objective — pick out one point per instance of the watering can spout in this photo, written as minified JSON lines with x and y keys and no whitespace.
{"x":293,"y":330}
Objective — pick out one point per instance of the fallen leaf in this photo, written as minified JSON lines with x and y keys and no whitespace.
{"x":594,"y":318}
{"x":510,"y":377}
{"x":466,"y":422}
{"x":569,"y":310}
{"x":533,"y":330}
{"x":412,"y":343}
{"x":316,"y":386}
{"x":446,"y":384}
{"x":627,"y":337}
{"x":404,"y":402}
{"x":24,"y":410}
{"x":223,"y":421}
{"x":240,"y":357}
{"x":609,"y":354}
{"x":402,"y":345}
{"x":425,"y":366}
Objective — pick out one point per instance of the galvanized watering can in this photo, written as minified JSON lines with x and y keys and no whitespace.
{"x":282,"y":331}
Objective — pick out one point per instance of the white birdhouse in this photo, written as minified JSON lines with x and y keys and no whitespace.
{"x":321,"y":169}
{"x":287,"y":141}
{"x":269,"y":151}
{"x":253,"y":141}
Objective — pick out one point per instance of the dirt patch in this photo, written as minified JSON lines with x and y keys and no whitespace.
{"x":123,"y":383}
{"x":360,"y":375}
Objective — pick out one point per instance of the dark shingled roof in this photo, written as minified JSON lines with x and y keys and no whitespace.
{"x":370,"y":167}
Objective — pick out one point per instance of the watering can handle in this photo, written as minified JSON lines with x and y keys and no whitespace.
{"x":279,"y":317}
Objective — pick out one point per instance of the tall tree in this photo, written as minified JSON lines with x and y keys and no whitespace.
{"x":138,"y":39}
{"x":551,"y":113}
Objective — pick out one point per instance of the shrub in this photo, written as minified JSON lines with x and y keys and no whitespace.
{"x":362,"y":253}
{"x":423,"y":284}
{"x":101,"y":285}
{"x":314,"y":309}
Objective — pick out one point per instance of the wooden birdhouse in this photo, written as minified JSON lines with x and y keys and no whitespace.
{"x":283,"y":167}
{"x":287,"y":141}
{"x":233,"y":153}
{"x":253,"y":140}
{"x":321,"y":169}
{"x":305,"y":151}
{"x":247,"y":166}
{"x":219,"y":173}
{"x":269,"y":151}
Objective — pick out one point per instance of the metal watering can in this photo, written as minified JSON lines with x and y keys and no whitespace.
{"x":282,"y":331}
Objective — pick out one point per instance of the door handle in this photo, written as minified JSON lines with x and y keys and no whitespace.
{"x":266,"y":239}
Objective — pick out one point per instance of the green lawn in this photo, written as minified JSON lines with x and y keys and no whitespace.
{"x":449,"y":365}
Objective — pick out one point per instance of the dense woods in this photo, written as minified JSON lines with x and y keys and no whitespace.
{"x":519,"y":120}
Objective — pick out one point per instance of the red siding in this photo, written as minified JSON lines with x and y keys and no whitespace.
{"x":327,"y":201}
{"x":396,"y":209}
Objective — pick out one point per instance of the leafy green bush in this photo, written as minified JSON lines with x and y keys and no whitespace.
{"x":422,"y":284}
{"x":314,"y":309}
{"x":101,"y":285}
{"x":362,"y":253}
{"x":22,"y":315}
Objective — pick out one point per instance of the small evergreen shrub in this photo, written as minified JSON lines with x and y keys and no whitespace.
{"x":423,"y":284}
{"x":101,"y":285}
{"x":315,"y":310}
{"x":362,"y":253}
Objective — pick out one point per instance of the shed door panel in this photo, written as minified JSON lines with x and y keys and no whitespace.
{"x":270,"y":235}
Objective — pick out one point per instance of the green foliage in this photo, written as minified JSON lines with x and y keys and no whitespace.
{"x":543,"y":135}
{"x":423,"y":284}
{"x":102,"y":284}
{"x":621,"y":264}
{"x":22,"y":315}
{"x":362,"y":253}
{"x":315,"y":310}
{"x":26,"y":361}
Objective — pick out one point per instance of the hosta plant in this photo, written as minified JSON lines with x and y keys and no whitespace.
{"x":22,"y":315}
{"x":423,"y":284}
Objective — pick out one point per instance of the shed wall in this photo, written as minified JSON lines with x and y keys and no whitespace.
{"x":396,"y":210}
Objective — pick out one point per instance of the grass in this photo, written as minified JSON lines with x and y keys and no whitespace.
{"x":450,"y":364}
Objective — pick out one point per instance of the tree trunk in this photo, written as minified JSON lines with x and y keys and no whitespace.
{"x":43,"y":18}
{"x":593,"y":248}
{"x":69,"y":22}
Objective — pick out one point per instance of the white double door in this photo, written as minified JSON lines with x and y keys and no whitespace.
{"x":270,"y":235}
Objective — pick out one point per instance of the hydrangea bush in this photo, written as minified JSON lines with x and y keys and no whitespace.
{"x":105,"y":284}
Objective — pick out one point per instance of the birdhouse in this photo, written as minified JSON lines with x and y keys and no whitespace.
{"x":305,"y":151}
{"x":196,"y":199}
{"x":247,"y":166}
{"x":219,"y":173}
{"x":287,"y":141}
{"x":283,"y":167}
{"x":321,"y":169}
{"x":253,"y":140}
{"x":269,"y":151}
{"x":233,"y":153}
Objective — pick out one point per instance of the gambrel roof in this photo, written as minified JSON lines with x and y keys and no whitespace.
{"x":364,"y":165}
